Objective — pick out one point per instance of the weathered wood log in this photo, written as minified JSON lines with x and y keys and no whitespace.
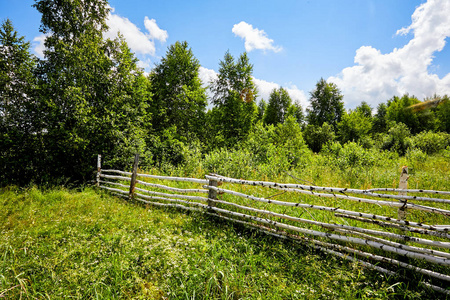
{"x":184,"y":179}
{"x":117,"y":171}
{"x":113,"y":189}
{"x":115,"y":177}
{"x":336,"y":210}
{"x":160,"y":186}
{"x":340,"y":226}
{"x":308,"y":241}
{"x":114,"y":183}
{"x":195,"y":198}
{"x":403,"y":185}
{"x":341,"y":238}
{"x":409,"y":191}
{"x":212,"y":194}
{"x":431,"y":252}
{"x":312,"y":190}
{"x":134,"y":176}
{"x":99,"y":169}
{"x":396,"y":226}
{"x":364,"y":200}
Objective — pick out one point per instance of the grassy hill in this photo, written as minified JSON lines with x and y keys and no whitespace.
{"x":84,"y":244}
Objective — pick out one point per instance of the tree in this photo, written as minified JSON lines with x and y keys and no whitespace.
{"x":317,"y":136}
{"x":19,"y":138}
{"x":295,"y":110}
{"x":234,"y":93}
{"x":278,"y":106}
{"x":379,"y":120}
{"x":178,"y":96}
{"x":443,"y":113}
{"x":354,"y":126}
{"x":94,"y":97}
{"x":365,"y":109}
{"x":262,"y":105}
{"x":326,"y":104}
{"x":400,"y":110}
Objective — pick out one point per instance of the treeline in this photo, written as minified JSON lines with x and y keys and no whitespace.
{"x":88,"y":96}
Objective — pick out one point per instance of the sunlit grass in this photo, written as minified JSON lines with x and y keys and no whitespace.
{"x":58,"y":244}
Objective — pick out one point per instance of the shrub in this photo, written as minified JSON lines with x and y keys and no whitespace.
{"x":431,"y":142}
{"x":397,"y":139}
{"x":316,"y":136}
{"x":354,"y":155}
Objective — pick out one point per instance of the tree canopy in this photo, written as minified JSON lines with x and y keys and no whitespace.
{"x":327,"y":104}
{"x":178,"y":96}
{"x":234,"y":93}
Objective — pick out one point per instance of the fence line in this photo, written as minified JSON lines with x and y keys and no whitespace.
{"x":393,"y":237}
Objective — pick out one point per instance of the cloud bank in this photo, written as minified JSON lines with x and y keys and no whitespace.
{"x":377,"y":77}
{"x":254,"y":38}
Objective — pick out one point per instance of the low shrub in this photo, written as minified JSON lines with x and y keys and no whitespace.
{"x":431,"y":142}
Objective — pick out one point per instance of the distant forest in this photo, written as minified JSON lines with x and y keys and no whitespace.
{"x":88,"y":97}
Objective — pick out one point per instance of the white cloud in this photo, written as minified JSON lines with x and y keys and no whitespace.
{"x":254,"y":38}
{"x":206,"y":75}
{"x":154,"y":32}
{"x":39,"y":46}
{"x":266,"y":87}
{"x":376,"y":77}
{"x":136,"y":39}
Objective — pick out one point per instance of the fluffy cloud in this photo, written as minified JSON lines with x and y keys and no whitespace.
{"x":138,"y":41}
{"x":39,"y":46}
{"x":154,"y":32}
{"x":377,"y":77}
{"x":264,"y":87}
{"x":254,"y":38}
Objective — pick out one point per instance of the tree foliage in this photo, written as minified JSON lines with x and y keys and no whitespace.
{"x":327,"y":104}
{"x":178,"y":96}
{"x":278,"y":106}
{"x":19,"y":122}
{"x":354,"y":126}
{"x":399,"y":111}
{"x":234,"y":93}
{"x":94,"y":97}
{"x":317,"y":136}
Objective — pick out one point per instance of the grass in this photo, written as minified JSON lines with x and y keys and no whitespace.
{"x":85,"y":244}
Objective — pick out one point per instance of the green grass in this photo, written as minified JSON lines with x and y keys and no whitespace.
{"x":85,"y":244}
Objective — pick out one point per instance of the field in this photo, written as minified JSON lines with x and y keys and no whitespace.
{"x":81,"y":243}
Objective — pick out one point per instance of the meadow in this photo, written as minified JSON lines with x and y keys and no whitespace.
{"x":81,"y":243}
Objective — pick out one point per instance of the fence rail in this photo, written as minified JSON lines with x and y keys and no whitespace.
{"x":353,"y":224}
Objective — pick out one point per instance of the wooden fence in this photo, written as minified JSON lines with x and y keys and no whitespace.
{"x":382,"y":228}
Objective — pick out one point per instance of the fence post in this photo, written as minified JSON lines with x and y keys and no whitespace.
{"x":134,"y":176}
{"x":403,"y":184}
{"x":212,"y":194}
{"x":99,"y":169}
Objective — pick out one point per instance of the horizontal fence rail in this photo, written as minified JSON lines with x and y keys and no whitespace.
{"x":382,"y":228}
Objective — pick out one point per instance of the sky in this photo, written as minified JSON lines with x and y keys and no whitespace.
{"x":371,"y":49}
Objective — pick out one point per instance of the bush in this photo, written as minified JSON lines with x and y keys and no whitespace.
{"x":397,"y":139}
{"x":236,"y":163}
{"x":431,"y":142}
{"x":350,"y":155}
{"x":316,"y":136}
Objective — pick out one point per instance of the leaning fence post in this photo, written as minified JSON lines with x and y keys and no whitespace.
{"x":99,"y":168}
{"x":134,"y":176}
{"x":403,"y":185}
{"x":212,"y":194}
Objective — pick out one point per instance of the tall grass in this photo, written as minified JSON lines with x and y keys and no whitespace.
{"x":58,"y":244}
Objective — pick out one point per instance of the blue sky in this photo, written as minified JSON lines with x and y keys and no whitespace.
{"x":372,"y":50}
